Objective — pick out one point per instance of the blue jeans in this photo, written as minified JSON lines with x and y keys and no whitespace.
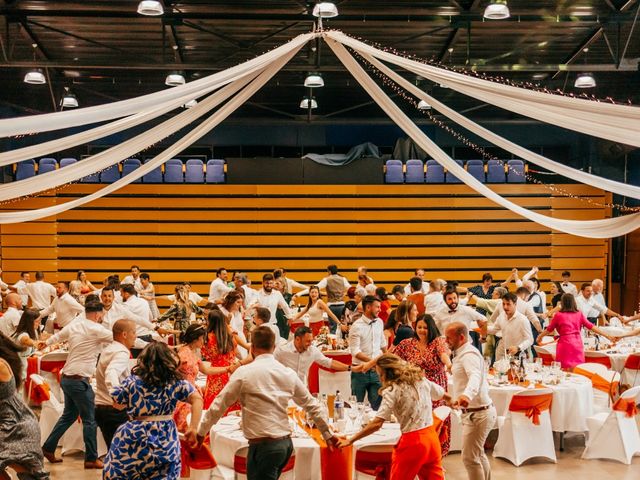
{"x":79,"y":399}
{"x":337,"y":311}
{"x":368,"y":383}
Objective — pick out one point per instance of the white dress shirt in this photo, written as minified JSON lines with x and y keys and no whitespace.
{"x":21,"y":288}
{"x":589,"y":307}
{"x":10,"y":320}
{"x":249,"y":296}
{"x":120,"y":311}
{"x":521,"y":306}
{"x":410,"y":404}
{"x":291,"y":284}
{"x":367,"y":336}
{"x":113,"y":368}
{"x":66,"y":309}
{"x":273,"y":301}
{"x":218,"y":290}
{"x":569,"y":288}
{"x":40,"y":292}
{"x":515,"y":332}
{"x":464,"y":314}
{"x":599,"y":298}
{"x":425,"y":288}
{"x":264,"y":388}
{"x":300,"y":362}
{"x":140,"y":307}
{"x":469,"y":376}
{"x":433,"y":302}
{"x":86,"y":340}
{"x":129,"y":280}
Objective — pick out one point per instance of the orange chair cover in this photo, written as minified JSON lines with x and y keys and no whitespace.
{"x":40,"y":393}
{"x":627,"y":405}
{"x":199,"y":458}
{"x":335,"y":464}
{"x":633,"y":362}
{"x":376,"y":464}
{"x":531,"y":406}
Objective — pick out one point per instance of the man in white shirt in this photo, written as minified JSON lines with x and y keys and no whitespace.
{"x":419,"y":272}
{"x":261,"y":317}
{"x":40,"y":292}
{"x":133,"y":278}
{"x":86,"y":338}
{"x":270,"y":298}
{"x":11,"y":317}
{"x":434,"y":299}
{"x":64,"y":306}
{"x":219,"y":287}
{"x":597,"y":289}
{"x":366,"y":343}
{"x":523,"y":307}
{"x":264,"y":388}
{"x":471,"y":395}
{"x":591,"y":309}
{"x":113,"y":368}
{"x":289,"y":283}
{"x":452,"y":311}
{"x":300,"y":354}
{"x":513,"y":327}
{"x":21,"y":287}
{"x":139,"y":307}
{"x":567,"y":286}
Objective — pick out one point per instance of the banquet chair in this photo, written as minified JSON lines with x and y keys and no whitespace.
{"x":543,"y":353}
{"x":598,"y":357}
{"x":614,"y":435}
{"x":194,"y":171}
{"x":515,"y":171}
{"x":605,"y":383}
{"x":393,"y":172}
{"x":240,"y":465}
{"x":25,"y":169}
{"x":110,"y":175}
{"x":47,"y":165}
{"x":525,"y":432}
{"x":631,"y":371}
{"x":372,"y":462}
{"x":330,"y":382}
{"x":440,"y":414}
{"x":215,"y":171}
{"x":450,"y":177}
{"x":435,"y":172}
{"x":495,"y":171}
{"x":293,"y":326}
{"x":50,"y":367}
{"x":476,"y":169}
{"x":173,"y":171}
{"x":129,"y":165}
{"x":455,"y":439}
{"x":415,"y":171}
{"x":154,"y":176}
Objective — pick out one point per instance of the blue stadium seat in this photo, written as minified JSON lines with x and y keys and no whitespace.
{"x":215,"y":171}
{"x":25,"y":169}
{"x":435,"y":172}
{"x":451,"y":178}
{"x":47,"y":165}
{"x":67,"y":161}
{"x":110,"y":175}
{"x":476,"y":169}
{"x":129,"y":165}
{"x":495,"y":171}
{"x":194,"y":171}
{"x":154,"y":176}
{"x":393,"y":173}
{"x":415,"y":171}
{"x":515,"y":171}
{"x":173,"y":171}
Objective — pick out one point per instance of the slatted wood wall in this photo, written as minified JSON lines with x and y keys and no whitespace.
{"x":185,"y":232}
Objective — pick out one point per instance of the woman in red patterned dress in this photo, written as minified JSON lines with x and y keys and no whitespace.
{"x":221,"y":351}
{"x":429,"y":351}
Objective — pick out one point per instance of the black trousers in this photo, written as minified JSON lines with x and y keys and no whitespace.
{"x":266,"y":460}
{"x":109,"y":419}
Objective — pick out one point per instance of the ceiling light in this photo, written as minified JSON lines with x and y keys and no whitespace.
{"x":152,"y":8}
{"x":69,"y":100}
{"x":585,"y":80}
{"x":174,"y":79}
{"x":35,"y":77}
{"x":497,"y":10}
{"x":314,"y":80}
{"x":325,"y":10}
{"x":423,"y":105}
{"x":190,"y":103}
{"x":540,"y":76}
{"x":305,"y":103}
{"x":442,"y":85}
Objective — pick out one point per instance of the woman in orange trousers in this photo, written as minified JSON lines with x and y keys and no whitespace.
{"x":407,"y":394}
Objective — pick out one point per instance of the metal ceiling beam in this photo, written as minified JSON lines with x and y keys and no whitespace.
{"x":170,"y":32}
{"x":592,"y":37}
{"x":454,"y":36}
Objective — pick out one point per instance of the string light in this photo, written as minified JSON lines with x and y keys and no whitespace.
{"x":401,"y":92}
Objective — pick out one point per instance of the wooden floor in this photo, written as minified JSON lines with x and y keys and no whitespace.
{"x":569,"y":467}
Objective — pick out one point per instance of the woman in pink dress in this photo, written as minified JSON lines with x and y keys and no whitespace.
{"x":568,"y":322}
{"x":429,"y":351}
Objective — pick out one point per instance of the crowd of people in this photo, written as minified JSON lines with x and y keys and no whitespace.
{"x":405,"y":344}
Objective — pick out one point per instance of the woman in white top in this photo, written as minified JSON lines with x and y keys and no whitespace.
{"x":407,"y":394}
{"x":315,"y":308}
{"x":233,"y":309}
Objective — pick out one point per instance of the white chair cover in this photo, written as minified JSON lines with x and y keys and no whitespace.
{"x":330,"y":382}
{"x":455,"y":443}
{"x":519,"y":439}
{"x":614,"y":436}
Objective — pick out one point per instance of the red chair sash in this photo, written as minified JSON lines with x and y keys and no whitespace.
{"x":633,"y":362}
{"x":32,"y":368}
{"x":295,"y":325}
{"x":376,"y":464}
{"x":531,"y":406}
{"x":53,"y":366}
{"x":626,"y":405}
{"x":40,"y":393}
{"x":606,"y":361}
{"x":312,"y":379}
{"x":199,"y":458}
{"x":547,"y":358}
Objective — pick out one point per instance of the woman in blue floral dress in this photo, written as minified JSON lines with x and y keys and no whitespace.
{"x":147,"y":446}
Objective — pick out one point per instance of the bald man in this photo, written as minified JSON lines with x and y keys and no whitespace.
{"x":11,"y":318}
{"x":471,"y":396}
{"x":113,"y":368}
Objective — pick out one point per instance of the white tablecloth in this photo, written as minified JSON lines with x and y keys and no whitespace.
{"x":227,"y":438}
{"x":617,"y":358}
{"x":572,"y":403}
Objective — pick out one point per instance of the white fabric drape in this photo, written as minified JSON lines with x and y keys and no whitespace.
{"x":192,"y":136}
{"x":619,"y":188}
{"x":605,"y":228}
{"x":619,"y":123}
{"x":83,"y":116}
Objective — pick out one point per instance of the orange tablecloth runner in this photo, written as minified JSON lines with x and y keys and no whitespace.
{"x":532,"y":406}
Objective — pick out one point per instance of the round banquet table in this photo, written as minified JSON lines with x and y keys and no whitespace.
{"x":572,"y":402}
{"x":617,"y":355}
{"x":227,"y":438}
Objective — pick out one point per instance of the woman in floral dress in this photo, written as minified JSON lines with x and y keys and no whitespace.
{"x":147,"y":446}
{"x":429,"y":351}
{"x":181,"y":309}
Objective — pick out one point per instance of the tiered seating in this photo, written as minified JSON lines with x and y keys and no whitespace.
{"x":414,"y":171}
{"x":515,"y":171}
{"x":173,"y":171}
{"x":451,"y":178}
{"x":495,"y":171}
{"x":435,"y":172}
{"x":154,"y":176}
{"x":476,"y":169}
{"x":47,"y":165}
{"x":25,"y":169}
{"x":215,"y":171}
{"x":194,"y":171}
{"x":129,"y":165}
{"x":393,"y":172}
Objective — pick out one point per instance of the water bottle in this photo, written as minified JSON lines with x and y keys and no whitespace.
{"x":338,"y":407}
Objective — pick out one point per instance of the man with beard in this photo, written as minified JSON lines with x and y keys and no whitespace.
{"x":452,"y":311}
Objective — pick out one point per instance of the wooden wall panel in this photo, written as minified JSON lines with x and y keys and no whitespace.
{"x":185,"y":232}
